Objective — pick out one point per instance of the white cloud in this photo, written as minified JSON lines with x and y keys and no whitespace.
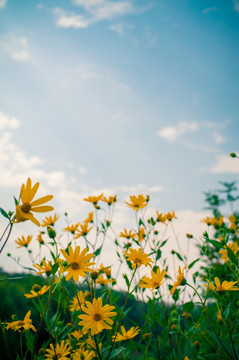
{"x":211,"y":9}
{"x":15,"y":47}
{"x":3,"y":3}
{"x":82,"y":169}
{"x":236,"y":5}
{"x":172,"y":133}
{"x":225,"y":164}
{"x":8,"y":122}
{"x":86,"y":73}
{"x":218,"y":138}
{"x":201,"y":147}
{"x":95,"y":11}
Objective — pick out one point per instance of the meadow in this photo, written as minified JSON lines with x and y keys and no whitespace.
{"x":68,"y":306}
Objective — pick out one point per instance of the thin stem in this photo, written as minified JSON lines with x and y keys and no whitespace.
{"x":10,"y":230}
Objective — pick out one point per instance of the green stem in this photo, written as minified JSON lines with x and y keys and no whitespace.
{"x":9,"y":232}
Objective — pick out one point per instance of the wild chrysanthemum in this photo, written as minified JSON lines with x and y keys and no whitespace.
{"x":126,"y":335}
{"x":110,"y":200}
{"x":84,"y":230}
{"x":90,"y":217}
{"x":72,"y":228}
{"x":155,"y":281}
{"x":23,"y":241}
{"x":141,"y":234}
{"x":138,"y":258}
{"x":59,"y":351}
{"x":102,"y":280}
{"x":96,"y":317}
{"x":81,"y":354}
{"x":39,"y":238}
{"x":225,"y":286}
{"x":171,"y":216}
{"x":77,"y":302}
{"x":161,"y":218}
{"x":128,"y":234}
{"x":21,"y":325}
{"x":37,"y":291}
{"x":138,"y":202}
{"x":233,"y":246}
{"x":78,"y":263}
{"x":94,"y":199}
{"x":180,"y":278}
{"x":50,"y":220}
{"x":24,"y":210}
{"x":45,"y":268}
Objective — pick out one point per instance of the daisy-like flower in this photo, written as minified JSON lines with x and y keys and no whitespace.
{"x":24,"y":209}
{"x":94,"y":199}
{"x":233,"y":246}
{"x":102,"y":280}
{"x":81,"y":354}
{"x":106,"y":270}
{"x":207,"y":221}
{"x":50,"y":220}
{"x":161,"y":218}
{"x":127,"y":234}
{"x":111,"y":199}
{"x":78,"y":263}
{"x":171,"y":216}
{"x":178,"y":282}
{"x":90,"y":217}
{"x":141,"y":234}
{"x":138,"y":258}
{"x":59,"y":351}
{"x":155,"y":281}
{"x":84,"y":230}
{"x":138,"y":202}
{"x":21,"y":325}
{"x":96,"y":317}
{"x":72,"y":228}
{"x":225,"y":286}
{"x":77,"y":302}
{"x":21,"y":242}
{"x":39,"y":238}
{"x":126,"y":335}
{"x":37,"y":291}
{"x":77,"y":334}
{"x":45,"y":268}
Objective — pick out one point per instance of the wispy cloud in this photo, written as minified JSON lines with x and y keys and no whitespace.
{"x":225,"y":164}
{"x":94,"y":11}
{"x":3,"y":3}
{"x":15,"y":47}
{"x":172,"y":133}
{"x":210,"y":9}
{"x":8,"y":122}
{"x":236,"y":5}
{"x":201,"y":147}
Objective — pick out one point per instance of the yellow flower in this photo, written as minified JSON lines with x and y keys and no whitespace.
{"x":72,"y":228}
{"x":77,"y":302}
{"x":126,"y":335}
{"x":23,"y":241}
{"x":141,"y":234}
{"x":21,"y":325}
{"x":234,"y":247}
{"x":155,"y":281}
{"x":106,"y":270}
{"x":171,"y":216}
{"x":50,"y":220}
{"x":81,"y":354}
{"x":207,"y":221}
{"x":180,"y":278}
{"x":44,"y":268}
{"x":102,"y":280}
{"x":138,"y":258}
{"x":78,"y":263}
{"x":90,"y":217}
{"x":138,"y":202}
{"x":225,"y":286}
{"x":40,"y":238}
{"x":97,"y":318}
{"x":110,"y":200}
{"x":37,"y":292}
{"x":84,"y":230}
{"x":94,"y":199}
{"x":59,"y":351}
{"x":186,"y":358}
{"x":77,"y":334}
{"x":219,"y":316}
{"x":161,"y":218}
{"x":128,"y":234}
{"x":23,"y":211}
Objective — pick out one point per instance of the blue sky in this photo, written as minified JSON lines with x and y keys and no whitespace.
{"x":119,"y":96}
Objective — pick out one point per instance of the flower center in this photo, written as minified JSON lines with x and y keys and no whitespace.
{"x":20,"y":323}
{"x":26,"y":208}
{"x":75,"y":266}
{"x":138,"y":261}
{"x":97,"y":317}
{"x":155,"y":284}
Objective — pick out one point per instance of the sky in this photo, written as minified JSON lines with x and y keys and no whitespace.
{"x":121,"y":97}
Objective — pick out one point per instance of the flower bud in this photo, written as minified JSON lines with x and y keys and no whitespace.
{"x":51,"y":232}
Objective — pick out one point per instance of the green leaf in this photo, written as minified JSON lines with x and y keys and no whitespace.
{"x":16,"y":201}
{"x":232,"y":256}
{"x":188,"y":307}
{"x":158,"y":254}
{"x":3,"y":212}
{"x":179,"y":256}
{"x":163,"y":243}
{"x":216,"y":244}
{"x":98,"y":251}
{"x":126,"y":279}
{"x":192,"y":263}
{"x":116,"y":352}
